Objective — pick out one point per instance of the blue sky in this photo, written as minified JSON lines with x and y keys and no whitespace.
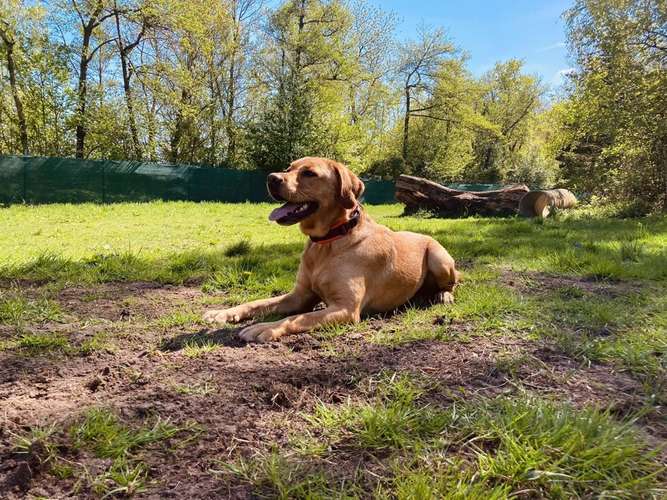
{"x":494,"y":30}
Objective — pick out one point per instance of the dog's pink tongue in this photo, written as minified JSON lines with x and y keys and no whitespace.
{"x":283,"y":211}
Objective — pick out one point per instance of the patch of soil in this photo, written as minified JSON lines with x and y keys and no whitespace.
{"x":253,"y":393}
{"x":123,"y":301}
{"x":543,"y":283}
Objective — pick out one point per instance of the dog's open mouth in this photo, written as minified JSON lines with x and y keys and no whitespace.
{"x":292,"y":212}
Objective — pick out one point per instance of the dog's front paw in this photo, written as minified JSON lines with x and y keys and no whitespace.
{"x":261,"y":332}
{"x":222,"y":316}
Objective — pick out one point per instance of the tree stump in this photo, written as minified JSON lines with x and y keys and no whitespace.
{"x":541,"y":203}
{"x":417,"y":193}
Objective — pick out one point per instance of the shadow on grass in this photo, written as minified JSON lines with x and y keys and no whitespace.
{"x":236,"y":265}
{"x":594,"y":248}
{"x":599,"y":248}
{"x":227,"y":337}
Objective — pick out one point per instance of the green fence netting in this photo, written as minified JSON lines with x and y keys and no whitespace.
{"x":67,"y":180}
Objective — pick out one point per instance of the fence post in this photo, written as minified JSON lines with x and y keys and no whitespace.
{"x":104,"y":183}
{"x":25,"y":181}
{"x":188,"y":174}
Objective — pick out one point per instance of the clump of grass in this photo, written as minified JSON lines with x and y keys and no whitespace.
{"x":37,"y":443}
{"x":119,"y":266}
{"x":179,"y":318}
{"x":98,"y":342}
{"x":35,"y":343}
{"x":274,"y":475}
{"x":197,"y":348}
{"x":496,"y":448}
{"x":237,"y":274}
{"x":204,"y":388}
{"x":631,"y":250}
{"x":16,"y":309}
{"x":123,"y":478}
{"x":509,"y":364}
{"x":239,"y":248}
{"x":101,"y":432}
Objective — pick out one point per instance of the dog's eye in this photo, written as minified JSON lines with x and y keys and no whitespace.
{"x":308,"y":173}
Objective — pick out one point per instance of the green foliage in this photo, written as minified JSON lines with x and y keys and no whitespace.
{"x":611,"y":145}
{"x":329,"y":78}
{"x":509,"y":102}
{"x":222,"y":88}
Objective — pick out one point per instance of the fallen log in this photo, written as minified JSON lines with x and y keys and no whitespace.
{"x":417,"y":193}
{"x":542,"y":203}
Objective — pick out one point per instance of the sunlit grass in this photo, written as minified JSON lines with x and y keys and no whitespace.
{"x":408,"y":447}
{"x":219,"y":244}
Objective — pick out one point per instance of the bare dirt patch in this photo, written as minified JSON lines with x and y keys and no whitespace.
{"x":543,"y":283}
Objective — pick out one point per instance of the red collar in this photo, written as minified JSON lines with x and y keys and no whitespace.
{"x":339,"y":229}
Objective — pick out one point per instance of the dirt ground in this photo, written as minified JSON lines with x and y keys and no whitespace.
{"x":257,"y":391}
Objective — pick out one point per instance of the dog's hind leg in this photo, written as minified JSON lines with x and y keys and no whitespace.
{"x":442,"y":271}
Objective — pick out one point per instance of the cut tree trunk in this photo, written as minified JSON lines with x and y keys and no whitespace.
{"x":417,"y":193}
{"x":541,"y":203}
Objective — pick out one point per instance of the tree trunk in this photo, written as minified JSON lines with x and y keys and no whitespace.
{"x":417,"y":193}
{"x":124,"y":52}
{"x":82,"y":90}
{"x":180,"y":125}
{"x":542,"y":203}
{"x":18,"y":104}
{"x":406,"y":125}
{"x":231,"y":88}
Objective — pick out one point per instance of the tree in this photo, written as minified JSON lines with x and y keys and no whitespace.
{"x":8,"y":37}
{"x":419,"y":61}
{"x":509,"y":100}
{"x":443,"y":140}
{"x":91,"y":14}
{"x":614,"y":145}
{"x":304,"y":53}
{"x":132,"y":26}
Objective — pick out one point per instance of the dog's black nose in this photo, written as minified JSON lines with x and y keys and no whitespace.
{"x":274,"y":180}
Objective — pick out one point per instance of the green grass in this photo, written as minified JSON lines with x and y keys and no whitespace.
{"x":16,"y":309}
{"x":178,"y":318}
{"x":101,"y":433}
{"x":176,"y":241}
{"x":407,"y":447}
{"x":235,"y":254}
{"x":42,"y":342}
{"x":395,"y":437}
{"x":197,"y":348}
{"x":100,"y":341}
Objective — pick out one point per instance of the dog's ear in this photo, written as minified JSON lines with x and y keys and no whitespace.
{"x":350,"y":186}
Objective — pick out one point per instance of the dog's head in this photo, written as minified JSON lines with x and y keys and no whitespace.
{"x":316,"y":191}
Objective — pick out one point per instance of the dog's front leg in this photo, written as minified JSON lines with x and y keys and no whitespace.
{"x":299,"y":299}
{"x":265,"y":332}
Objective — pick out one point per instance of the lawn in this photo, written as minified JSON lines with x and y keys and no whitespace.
{"x":546,"y":378}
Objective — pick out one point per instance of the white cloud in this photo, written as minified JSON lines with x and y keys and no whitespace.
{"x":561,"y":74}
{"x":566,"y":72}
{"x":553,"y":46}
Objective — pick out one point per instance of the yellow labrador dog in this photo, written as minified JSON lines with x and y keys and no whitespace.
{"x":350,"y":263}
